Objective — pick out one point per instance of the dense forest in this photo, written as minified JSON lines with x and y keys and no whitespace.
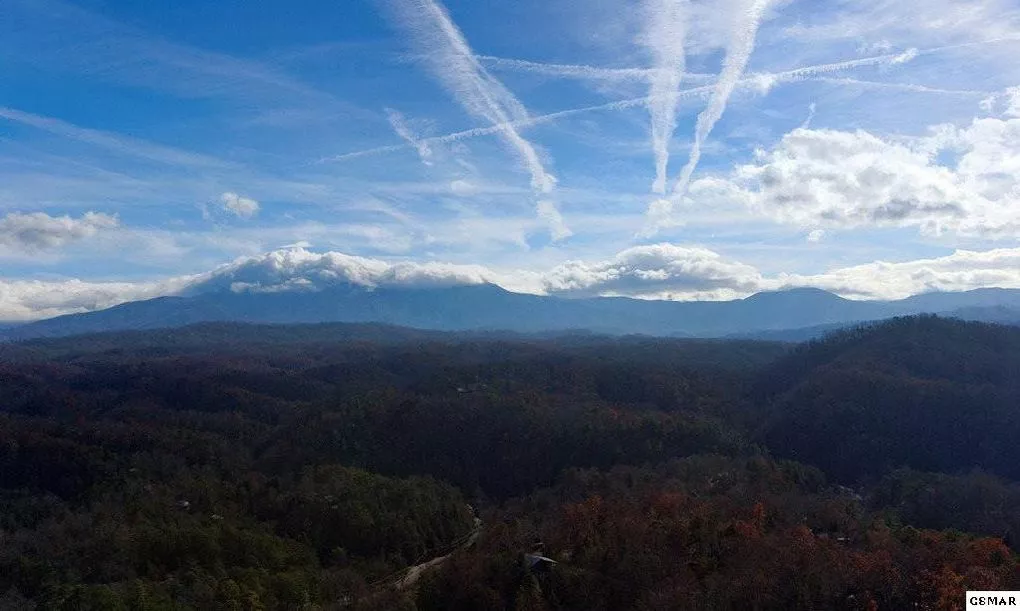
{"x":226,"y":466}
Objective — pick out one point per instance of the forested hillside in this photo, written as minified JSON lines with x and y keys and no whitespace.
{"x":927,"y":393}
{"x":238,"y":467}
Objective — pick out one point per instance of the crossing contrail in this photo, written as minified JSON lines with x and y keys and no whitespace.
{"x":738,"y":53}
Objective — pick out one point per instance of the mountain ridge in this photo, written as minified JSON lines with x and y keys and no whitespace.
{"x":488,"y":307}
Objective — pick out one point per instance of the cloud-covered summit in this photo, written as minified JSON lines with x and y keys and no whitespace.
{"x":298,"y":269}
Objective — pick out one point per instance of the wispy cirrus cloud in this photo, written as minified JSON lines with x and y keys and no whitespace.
{"x":876,"y":21}
{"x":65,"y":37}
{"x":113,"y":142}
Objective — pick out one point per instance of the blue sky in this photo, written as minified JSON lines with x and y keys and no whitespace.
{"x":676,"y":149}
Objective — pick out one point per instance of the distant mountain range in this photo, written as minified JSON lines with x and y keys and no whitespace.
{"x":791,"y":315}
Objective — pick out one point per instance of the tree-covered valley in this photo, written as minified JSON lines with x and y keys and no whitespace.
{"x":228,"y":466}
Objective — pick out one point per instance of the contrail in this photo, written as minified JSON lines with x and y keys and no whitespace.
{"x":737,"y":55}
{"x":566,"y":70}
{"x":877,"y":60}
{"x":686,"y":94}
{"x":583,"y":72}
{"x":404,"y":131}
{"x":664,"y":37}
{"x":964,"y":45}
{"x":453,"y":62}
{"x":597,"y":73}
{"x":812,"y":108}
{"x":909,"y":87}
{"x":759,"y":81}
{"x":548,"y":212}
{"x":379,"y":150}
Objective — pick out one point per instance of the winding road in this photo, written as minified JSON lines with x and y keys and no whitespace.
{"x":412,"y":574}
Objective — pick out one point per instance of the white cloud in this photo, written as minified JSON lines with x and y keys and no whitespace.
{"x":961,"y":271}
{"x":1013,"y":102}
{"x":961,"y":180}
{"x":22,"y":300}
{"x":816,"y":236}
{"x":664,"y":271}
{"x":463,"y":188}
{"x":874,"y":48}
{"x":37,"y":231}
{"x":943,"y":21}
{"x":244,"y":207}
{"x":987,"y":104}
{"x":668,"y":271}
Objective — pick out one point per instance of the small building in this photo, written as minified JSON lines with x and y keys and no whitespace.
{"x":537,"y":563}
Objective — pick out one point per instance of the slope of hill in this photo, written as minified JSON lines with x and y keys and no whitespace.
{"x":928,"y":393}
{"x":1001,"y":315}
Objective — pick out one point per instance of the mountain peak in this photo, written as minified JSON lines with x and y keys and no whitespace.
{"x":799,"y":293}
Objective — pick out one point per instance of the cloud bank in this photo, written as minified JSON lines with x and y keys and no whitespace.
{"x":656,"y":271}
{"x":962,"y":270}
{"x":662,"y":271}
{"x":24,"y":300}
